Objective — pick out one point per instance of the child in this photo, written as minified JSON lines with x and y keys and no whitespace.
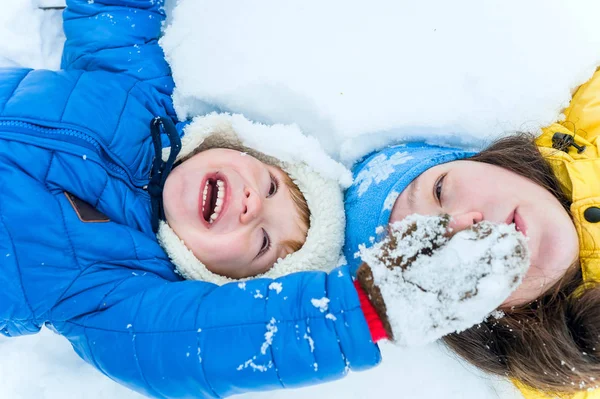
{"x":254,"y":220}
{"x":547,"y":339}
{"x":85,"y":186}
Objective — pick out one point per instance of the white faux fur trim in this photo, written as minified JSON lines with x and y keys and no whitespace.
{"x":323,"y":195}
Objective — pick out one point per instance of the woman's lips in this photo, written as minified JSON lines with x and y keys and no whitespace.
{"x":520,"y":223}
{"x":511,"y":218}
{"x":515,"y":218}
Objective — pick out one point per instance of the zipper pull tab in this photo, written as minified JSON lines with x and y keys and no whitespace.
{"x":562,"y":142}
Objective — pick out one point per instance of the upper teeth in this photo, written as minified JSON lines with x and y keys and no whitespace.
{"x":219,"y":203}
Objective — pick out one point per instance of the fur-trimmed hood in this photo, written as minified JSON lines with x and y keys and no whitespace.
{"x":319,"y":178}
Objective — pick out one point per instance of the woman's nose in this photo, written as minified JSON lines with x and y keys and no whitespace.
{"x":251,"y":206}
{"x":464,"y":221}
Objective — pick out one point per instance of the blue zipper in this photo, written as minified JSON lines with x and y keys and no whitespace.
{"x":74,"y":137}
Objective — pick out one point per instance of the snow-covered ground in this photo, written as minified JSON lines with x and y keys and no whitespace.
{"x":340,"y":69}
{"x":462,"y":69}
{"x":29,"y":36}
{"x":44,"y":366}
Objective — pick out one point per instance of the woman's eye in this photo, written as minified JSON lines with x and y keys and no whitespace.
{"x":437,"y":188}
{"x":273,"y":187}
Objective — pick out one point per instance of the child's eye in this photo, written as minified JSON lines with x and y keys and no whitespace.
{"x":266,"y":244}
{"x":273,"y":187}
{"x":437,"y":188}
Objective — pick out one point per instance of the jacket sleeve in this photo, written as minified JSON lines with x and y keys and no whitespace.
{"x":196,"y":339}
{"x":116,"y":36}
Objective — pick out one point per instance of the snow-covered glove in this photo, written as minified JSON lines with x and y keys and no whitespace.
{"x":426,"y":282}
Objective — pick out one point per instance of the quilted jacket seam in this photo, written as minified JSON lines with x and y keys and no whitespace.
{"x":62,"y":295}
{"x":271,"y":347}
{"x":212,"y":390}
{"x":122,"y":112}
{"x":135,"y":355}
{"x":94,"y":362}
{"x":204,"y":328}
{"x":337,"y":334}
{"x":342,"y":352}
{"x":12,"y":244}
{"x":134,"y":245}
{"x":62,"y":114}
{"x":64,"y":220}
{"x":84,"y":54}
{"x":102,"y":192}
{"x":117,"y":285}
{"x":12,"y":93}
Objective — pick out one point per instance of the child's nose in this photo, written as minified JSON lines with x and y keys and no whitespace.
{"x":464,"y":221}
{"x":251,"y":206}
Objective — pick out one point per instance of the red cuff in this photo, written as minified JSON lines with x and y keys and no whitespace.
{"x":373,"y":321}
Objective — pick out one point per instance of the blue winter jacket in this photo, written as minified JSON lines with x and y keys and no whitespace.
{"x":77,"y":252}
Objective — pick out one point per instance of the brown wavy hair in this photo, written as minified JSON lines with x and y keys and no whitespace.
{"x":553,"y":343}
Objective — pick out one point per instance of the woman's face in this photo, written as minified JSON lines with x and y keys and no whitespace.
{"x":472,"y":191}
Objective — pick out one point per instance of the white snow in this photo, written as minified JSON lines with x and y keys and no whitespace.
{"x":277,"y":287}
{"x":271,"y":330}
{"x":311,"y":342}
{"x":465,"y":72}
{"x":44,"y":366}
{"x":343,"y":68}
{"x":463,"y":280}
{"x":256,"y":367}
{"x":29,"y":36}
{"x":267,"y":140}
{"x":322,"y":304}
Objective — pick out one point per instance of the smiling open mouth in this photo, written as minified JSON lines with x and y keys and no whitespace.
{"x":212,"y":199}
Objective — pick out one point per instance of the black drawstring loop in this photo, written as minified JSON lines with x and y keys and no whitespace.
{"x":160,"y":169}
{"x":562,"y":142}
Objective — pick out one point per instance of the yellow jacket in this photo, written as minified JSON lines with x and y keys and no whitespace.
{"x":578,"y":170}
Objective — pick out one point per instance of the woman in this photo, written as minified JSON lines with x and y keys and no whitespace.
{"x":548,"y":188}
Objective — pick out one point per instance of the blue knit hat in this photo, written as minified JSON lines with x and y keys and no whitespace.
{"x":378,"y":180}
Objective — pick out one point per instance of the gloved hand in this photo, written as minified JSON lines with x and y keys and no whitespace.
{"x":426,"y":281}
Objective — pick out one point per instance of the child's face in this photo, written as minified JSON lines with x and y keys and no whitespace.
{"x":232,"y":211}
{"x":473,"y":191}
